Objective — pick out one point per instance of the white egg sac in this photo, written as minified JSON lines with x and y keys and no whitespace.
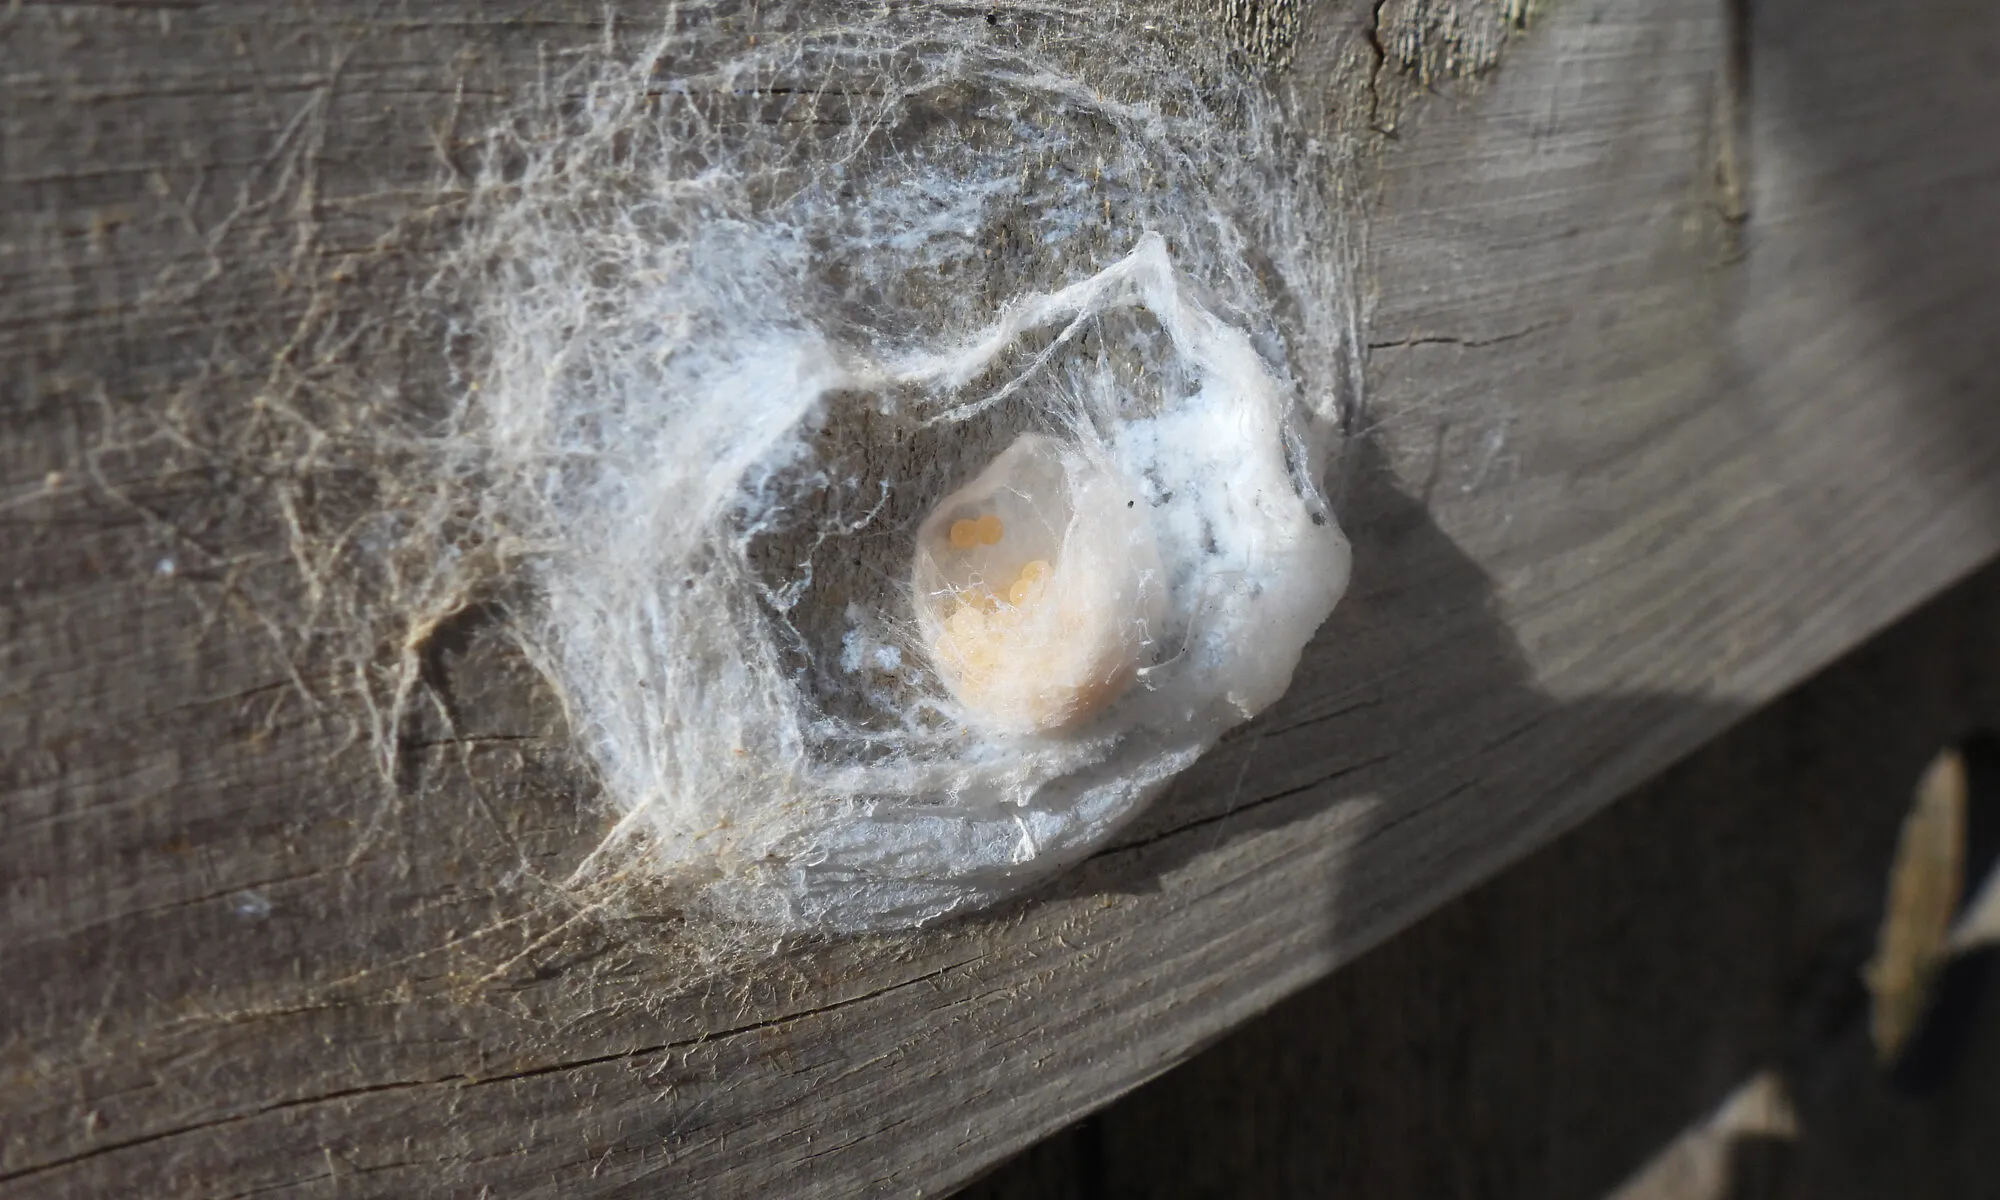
{"x":733,"y":326}
{"x":1038,"y":588}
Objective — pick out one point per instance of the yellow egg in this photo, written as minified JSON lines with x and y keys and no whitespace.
{"x":967,"y":624}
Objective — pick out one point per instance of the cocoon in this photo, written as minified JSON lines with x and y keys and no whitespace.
{"x":1038,"y":588}
{"x":906,"y":433}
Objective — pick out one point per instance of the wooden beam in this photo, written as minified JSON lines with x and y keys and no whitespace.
{"x":1681,"y":386}
{"x":1666,"y":1003}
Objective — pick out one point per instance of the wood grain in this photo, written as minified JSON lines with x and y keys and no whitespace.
{"x":1681,"y":386}
{"x":1567,"y":1029}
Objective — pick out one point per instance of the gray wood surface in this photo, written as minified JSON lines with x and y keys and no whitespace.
{"x":1682,"y":384}
{"x":1568,"y":1029}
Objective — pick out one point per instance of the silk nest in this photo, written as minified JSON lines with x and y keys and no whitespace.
{"x":909,"y":434}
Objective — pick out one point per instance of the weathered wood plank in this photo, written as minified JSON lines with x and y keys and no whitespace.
{"x":1553,"y":1031}
{"x":1637,"y":462}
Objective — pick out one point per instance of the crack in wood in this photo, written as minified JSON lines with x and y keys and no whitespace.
{"x":1469,"y":343}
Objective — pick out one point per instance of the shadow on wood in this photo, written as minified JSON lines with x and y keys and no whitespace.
{"x":1547,"y":1032}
